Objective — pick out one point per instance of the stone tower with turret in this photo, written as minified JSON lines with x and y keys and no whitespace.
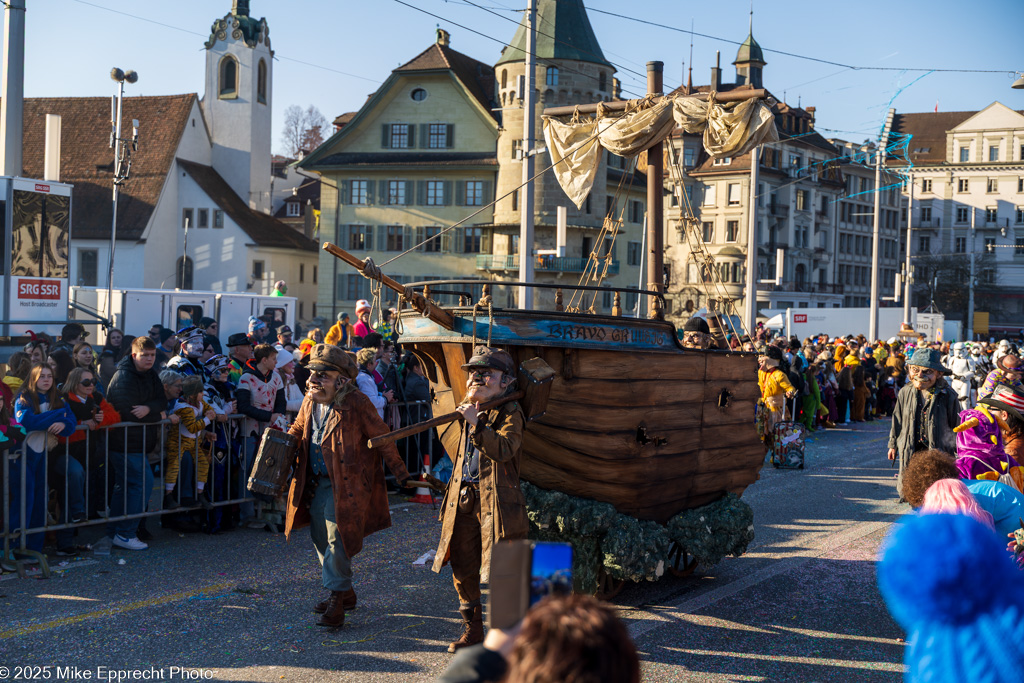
{"x":749,"y":62}
{"x":237,"y":103}
{"x":571,"y":69}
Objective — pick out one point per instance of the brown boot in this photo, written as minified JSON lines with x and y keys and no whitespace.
{"x":334,"y":615}
{"x":473,"y":631}
{"x":348,"y":601}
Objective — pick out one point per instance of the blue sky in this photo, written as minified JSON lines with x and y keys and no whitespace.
{"x":334,"y":53}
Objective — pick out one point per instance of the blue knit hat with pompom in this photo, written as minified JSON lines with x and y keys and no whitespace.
{"x":951,"y":584}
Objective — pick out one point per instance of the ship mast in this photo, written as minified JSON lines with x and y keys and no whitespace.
{"x":655,"y":206}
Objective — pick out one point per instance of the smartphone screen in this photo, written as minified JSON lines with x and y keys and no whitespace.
{"x":550,"y":570}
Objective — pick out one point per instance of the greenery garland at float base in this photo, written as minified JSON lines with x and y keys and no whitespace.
{"x":632,"y":549}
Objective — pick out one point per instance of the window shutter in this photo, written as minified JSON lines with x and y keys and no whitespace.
{"x":368,"y":237}
{"x":410,"y":188}
{"x":424,"y":135}
{"x":460,"y":192}
{"x":446,"y":242}
{"x":382,"y":238}
{"x":383,"y":192}
{"x":406,"y":237}
{"x":420,"y":236}
{"x":343,"y":191}
{"x":385,"y":136}
{"x":485,"y":241}
{"x":447,"y":193}
{"x":450,"y":136}
{"x":421,"y":192}
{"x":460,"y":240}
{"x":411,"y":127}
{"x":488,"y":191}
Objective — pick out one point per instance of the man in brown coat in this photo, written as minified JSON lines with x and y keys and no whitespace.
{"x":483,"y":502}
{"x":338,"y":486}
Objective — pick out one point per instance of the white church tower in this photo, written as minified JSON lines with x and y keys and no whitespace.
{"x":236,"y":104}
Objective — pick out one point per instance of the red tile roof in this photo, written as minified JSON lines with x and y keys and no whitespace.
{"x":929,"y":133}
{"x":86,"y":159}
{"x":263,"y":229}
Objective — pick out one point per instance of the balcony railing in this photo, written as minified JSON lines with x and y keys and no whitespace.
{"x":546,"y":264}
{"x":808,"y":287}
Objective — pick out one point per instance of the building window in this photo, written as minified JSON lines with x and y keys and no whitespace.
{"x":723,"y":161}
{"x":734,"y":194}
{"x":992,"y":185}
{"x":926,"y":214}
{"x":732,"y":230}
{"x":689,"y":154}
{"x":228,"y":86}
{"x":435,"y":193}
{"x":400,"y":136}
{"x":396,"y":192}
{"x":515,"y":200}
{"x":552,"y":76}
{"x":358,"y":192}
{"x":610,"y":206}
{"x":965,"y":155}
{"x":314,"y":282}
{"x":474,"y":236}
{"x":437,"y":136}
{"x":291,"y":209}
{"x":636,"y":211}
{"x":962,"y":214}
{"x":708,"y":231}
{"x":960,"y":245}
{"x":418,"y":94}
{"x":261,"y":82}
{"x":302,"y":272}
{"x":993,"y":153}
{"x":1020,"y":182}
{"x":602,"y":81}
{"x":991,"y":214}
{"x":990,"y":244}
{"x":475,"y":193}
{"x":88,"y":267}
{"x":218,"y":218}
{"x":1020,"y":215}
{"x":186,"y":219}
{"x":801,"y":200}
{"x":963,"y":185}
{"x":926,"y":185}
{"x":709,"y":195}
{"x":433,"y":243}
{"x":1018,"y":247}
{"x":633,"y":254}
{"x":924,"y":244}
{"x":204,"y":218}
{"x":395,"y":233}
{"x":359,"y":237}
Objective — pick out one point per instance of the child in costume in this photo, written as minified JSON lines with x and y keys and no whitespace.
{"x":775,"y":386}
{"x":980,"y":452}
{"x":194,"y":415}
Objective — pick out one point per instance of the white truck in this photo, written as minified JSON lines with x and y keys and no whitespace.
{"x":838,"y":322}
{"x":135,"y":311}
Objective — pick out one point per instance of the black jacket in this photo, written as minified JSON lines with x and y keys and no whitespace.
{"x":129,"y":388}
{"x":475,"y":664}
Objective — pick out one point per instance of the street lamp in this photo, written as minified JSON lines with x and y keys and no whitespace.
{"x":123,"y":150}
{"x":1019,"y":83}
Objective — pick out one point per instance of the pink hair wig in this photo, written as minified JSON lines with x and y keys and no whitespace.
{"x":951,"y":496}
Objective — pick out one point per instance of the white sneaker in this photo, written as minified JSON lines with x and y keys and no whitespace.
{"x":132,"y":543}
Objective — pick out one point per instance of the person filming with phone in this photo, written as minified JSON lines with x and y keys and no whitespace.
{"x":483,"y":502}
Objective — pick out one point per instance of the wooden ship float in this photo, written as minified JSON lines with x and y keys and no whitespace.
{"x":633,"y":419}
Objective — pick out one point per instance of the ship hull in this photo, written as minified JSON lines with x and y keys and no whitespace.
{"x":632,"y":419}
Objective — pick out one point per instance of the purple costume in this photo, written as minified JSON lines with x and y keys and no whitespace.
{"x":985,"y":444}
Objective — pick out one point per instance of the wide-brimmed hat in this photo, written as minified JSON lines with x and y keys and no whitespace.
{"x":928,"y":358}
{"x":697,"y":324}
{"x":1005,"y":398}
{"x":487,"y":357}
{"x":330,"y":357}
{"x":238,"y":339}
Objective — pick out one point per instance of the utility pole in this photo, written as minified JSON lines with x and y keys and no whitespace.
{"x":908,"y":269}
{"x":12,"y":104}
{"x":876,"y":232}
{"x":123,"y":150}
{"x":655,"y":208}
{"x":529,"y":132}
{"x":970,"y":284}
{"x":750,"y":310}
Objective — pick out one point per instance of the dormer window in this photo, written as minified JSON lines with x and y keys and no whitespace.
{"x":292,"y":209}
{"x":261,"y":82}
{"x":228,"y":78}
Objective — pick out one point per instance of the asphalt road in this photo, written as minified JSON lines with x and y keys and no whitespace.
{"x":801,"y":605}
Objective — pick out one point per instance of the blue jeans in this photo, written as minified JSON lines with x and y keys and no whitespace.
{"x":32,"y":467}
{"x":67,"y":476}
{"x":246,"y":511}
{"x":336,"y":566}
{"x":132,"y":475}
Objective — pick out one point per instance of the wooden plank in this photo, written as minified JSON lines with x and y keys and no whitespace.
{"x":593,"y":418}
{"x":737,"y":413}
{"x":626,"y":393}
{"x":684,"y":365}
{"x":732,"y":367}
{"x":622,"y":445}
{"x":455,"y":358}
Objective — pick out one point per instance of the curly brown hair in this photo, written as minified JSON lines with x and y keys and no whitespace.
{"x":575,"y":638}
{"x":924,"y":469}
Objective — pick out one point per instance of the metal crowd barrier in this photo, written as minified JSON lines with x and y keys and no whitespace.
{"x":237,"y":465}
